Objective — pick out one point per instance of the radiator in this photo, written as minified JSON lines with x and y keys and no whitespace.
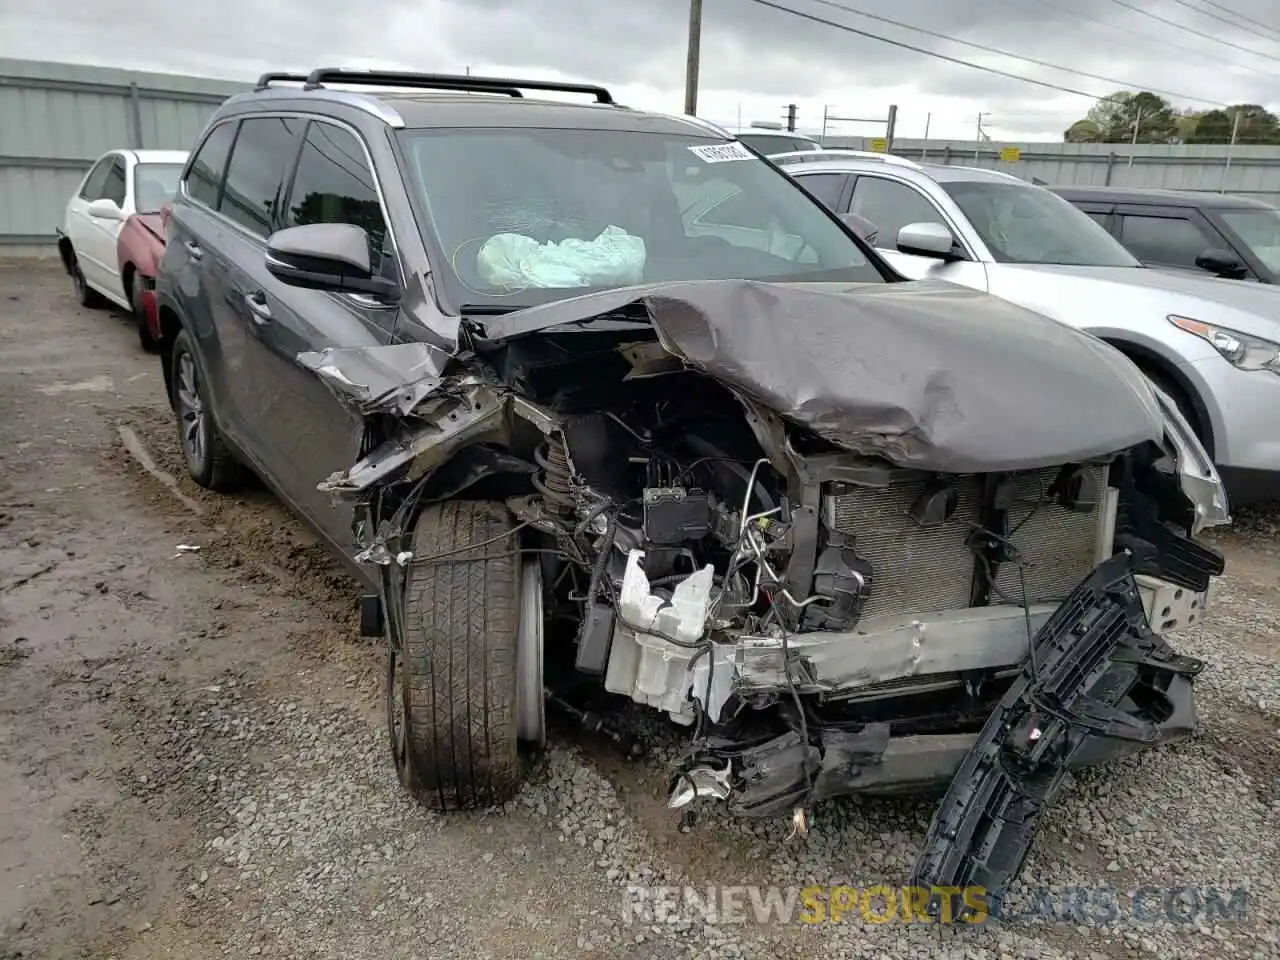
{"x":914,"y":569}
{"x":930,"y":569}
{"x":1058,"y":547}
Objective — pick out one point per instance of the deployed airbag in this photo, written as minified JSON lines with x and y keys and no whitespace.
{"x":512,"y":261}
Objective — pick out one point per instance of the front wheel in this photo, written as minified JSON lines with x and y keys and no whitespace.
{"x":452,"y":680}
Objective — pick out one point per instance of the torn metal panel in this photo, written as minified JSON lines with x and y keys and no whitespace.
{"x":928,"y":375}
{"x":393,"y":378}
{"x":462,"y":412}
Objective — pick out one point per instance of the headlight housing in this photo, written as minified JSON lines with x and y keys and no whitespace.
{"x":1197,"y":476}
{"x":1239,"y":349}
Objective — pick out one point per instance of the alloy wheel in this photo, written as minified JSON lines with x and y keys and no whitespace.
{"x":192,"y":422}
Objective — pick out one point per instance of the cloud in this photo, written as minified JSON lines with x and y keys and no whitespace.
{"x":754,"y":59}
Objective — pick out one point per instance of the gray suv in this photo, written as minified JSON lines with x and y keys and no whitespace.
{"x":603,"y":406}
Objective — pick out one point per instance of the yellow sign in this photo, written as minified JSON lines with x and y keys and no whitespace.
{"x":878,"y":145}
{"x":1010,"y":154}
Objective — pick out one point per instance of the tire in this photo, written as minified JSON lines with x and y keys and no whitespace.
{"x":85,"y":294}
{"x":458,"y":660}
{"x":209,"y":461}
{"x":149,"y":343}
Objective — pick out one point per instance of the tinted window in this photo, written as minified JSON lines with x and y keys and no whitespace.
{"x":825,"y":187}
{"x":205,"y":176}
{"x":255,"y":173}
{"x":525,"y":216}
{"x":1101,"y":219}
{"x":93,"y":183}
{"x":114,"y":188}
{"x":1170,"y":240}
{"x":335,"y":185}
{"x":891,"y":206}
{"x":1021,"y":223}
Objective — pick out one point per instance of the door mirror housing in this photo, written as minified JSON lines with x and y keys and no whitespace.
{"x":927,"y":240}
{"x":105,"y":209}
{"x":1222,"y":263}
{"x":327,"y":256}
{"x":863,"y":227}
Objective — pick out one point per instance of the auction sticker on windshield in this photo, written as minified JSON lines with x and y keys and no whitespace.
{"x":720,"y":152}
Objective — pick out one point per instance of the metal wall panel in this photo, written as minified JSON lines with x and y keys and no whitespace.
{"x":56,"y":118}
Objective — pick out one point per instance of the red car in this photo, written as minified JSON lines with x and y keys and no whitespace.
{"x":138,"y":251}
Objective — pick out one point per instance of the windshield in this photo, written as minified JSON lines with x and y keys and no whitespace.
{"x":768,"y":143}
{"x":1020,"y":223}
{"x":154,"y":185}
{"x":1260,"y":232}
{"x":525,"y":216}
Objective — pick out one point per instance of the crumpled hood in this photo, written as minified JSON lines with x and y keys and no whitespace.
{"x":1139,"y":293}
{"x":927,"y":374}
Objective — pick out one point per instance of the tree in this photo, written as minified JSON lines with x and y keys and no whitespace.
{"x":1083,"y":131}
{"x":1257,"y":125}
{"x":1117,"y":117}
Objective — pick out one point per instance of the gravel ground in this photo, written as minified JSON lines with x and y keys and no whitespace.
{"x":193,"y":761}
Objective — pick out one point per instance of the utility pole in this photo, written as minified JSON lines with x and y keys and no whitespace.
{"x":791,"y":118}
{"x":695,"y":53}
{"x":1137,"y":125}
{"x":1235,"y":130}
{"x":977,"y":150}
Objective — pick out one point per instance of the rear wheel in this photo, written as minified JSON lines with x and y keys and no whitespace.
{"x":452,"y":697}
{"x":209,"y":461}
{"x":87,"y":296}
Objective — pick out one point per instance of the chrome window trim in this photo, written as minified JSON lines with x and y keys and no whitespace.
{"x":371,"y":105}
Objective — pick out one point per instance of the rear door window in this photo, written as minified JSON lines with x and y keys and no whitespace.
{"x":204,"y":178}
{"x":262,"y":152}
{"x":115,"y":186}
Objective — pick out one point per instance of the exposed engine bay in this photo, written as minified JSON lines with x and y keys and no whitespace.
{"x":826,"y":616}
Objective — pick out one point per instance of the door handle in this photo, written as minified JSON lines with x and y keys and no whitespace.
{"x":194,"y":250}
{"x":259,"y":311}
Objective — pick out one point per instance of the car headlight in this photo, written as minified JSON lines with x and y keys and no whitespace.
{"x":1197,"y":476}
{"x":1239,"y":349}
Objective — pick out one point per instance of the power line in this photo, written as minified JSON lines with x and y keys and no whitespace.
{"x":1166,"y":45}
{"x":1006,"y":53}
{"x":1221,"y":19}
{"x":935,"y":54}
{"x":1179,"y":26}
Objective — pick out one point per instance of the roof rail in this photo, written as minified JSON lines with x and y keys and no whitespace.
{"x":441,"y":81}
{"x":267,"y":79}
{"x":817,"y":156}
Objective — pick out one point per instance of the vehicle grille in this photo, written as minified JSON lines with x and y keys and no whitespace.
{"x":919,"y":569}
{"x":915,"y":569}
{"x":1056,"y":545}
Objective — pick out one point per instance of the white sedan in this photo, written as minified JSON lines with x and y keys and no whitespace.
{"x":120,"y":184}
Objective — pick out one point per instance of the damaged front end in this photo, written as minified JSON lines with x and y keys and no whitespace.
{"x":850,"y":544}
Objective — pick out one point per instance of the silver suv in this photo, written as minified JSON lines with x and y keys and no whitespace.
{"x":1213,"y":345}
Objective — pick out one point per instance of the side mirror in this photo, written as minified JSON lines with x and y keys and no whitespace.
{"x":326,"y":256}
{"x":1222,"y":263}
{"x":105,"y":209}
{"x":862,"y":227}
{"x":926,"y":240}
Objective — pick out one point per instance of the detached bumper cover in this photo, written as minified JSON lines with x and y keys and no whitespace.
{"x":1100,"y":683}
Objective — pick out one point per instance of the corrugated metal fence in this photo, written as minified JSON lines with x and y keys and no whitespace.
{"x":1215,"y":168}
{"x":56,"y":119}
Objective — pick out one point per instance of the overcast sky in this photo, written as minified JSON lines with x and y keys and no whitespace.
{"x":754,"y":59}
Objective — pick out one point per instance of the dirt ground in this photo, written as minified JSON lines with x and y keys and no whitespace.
{"x":191,"y":741}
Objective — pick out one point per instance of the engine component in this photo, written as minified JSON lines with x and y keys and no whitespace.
{"x":647,"y":667}
{"x":553,"y":479}
{"x":595,"y":637}
{"x":675,"y":515}
{"x":843,"y":577}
